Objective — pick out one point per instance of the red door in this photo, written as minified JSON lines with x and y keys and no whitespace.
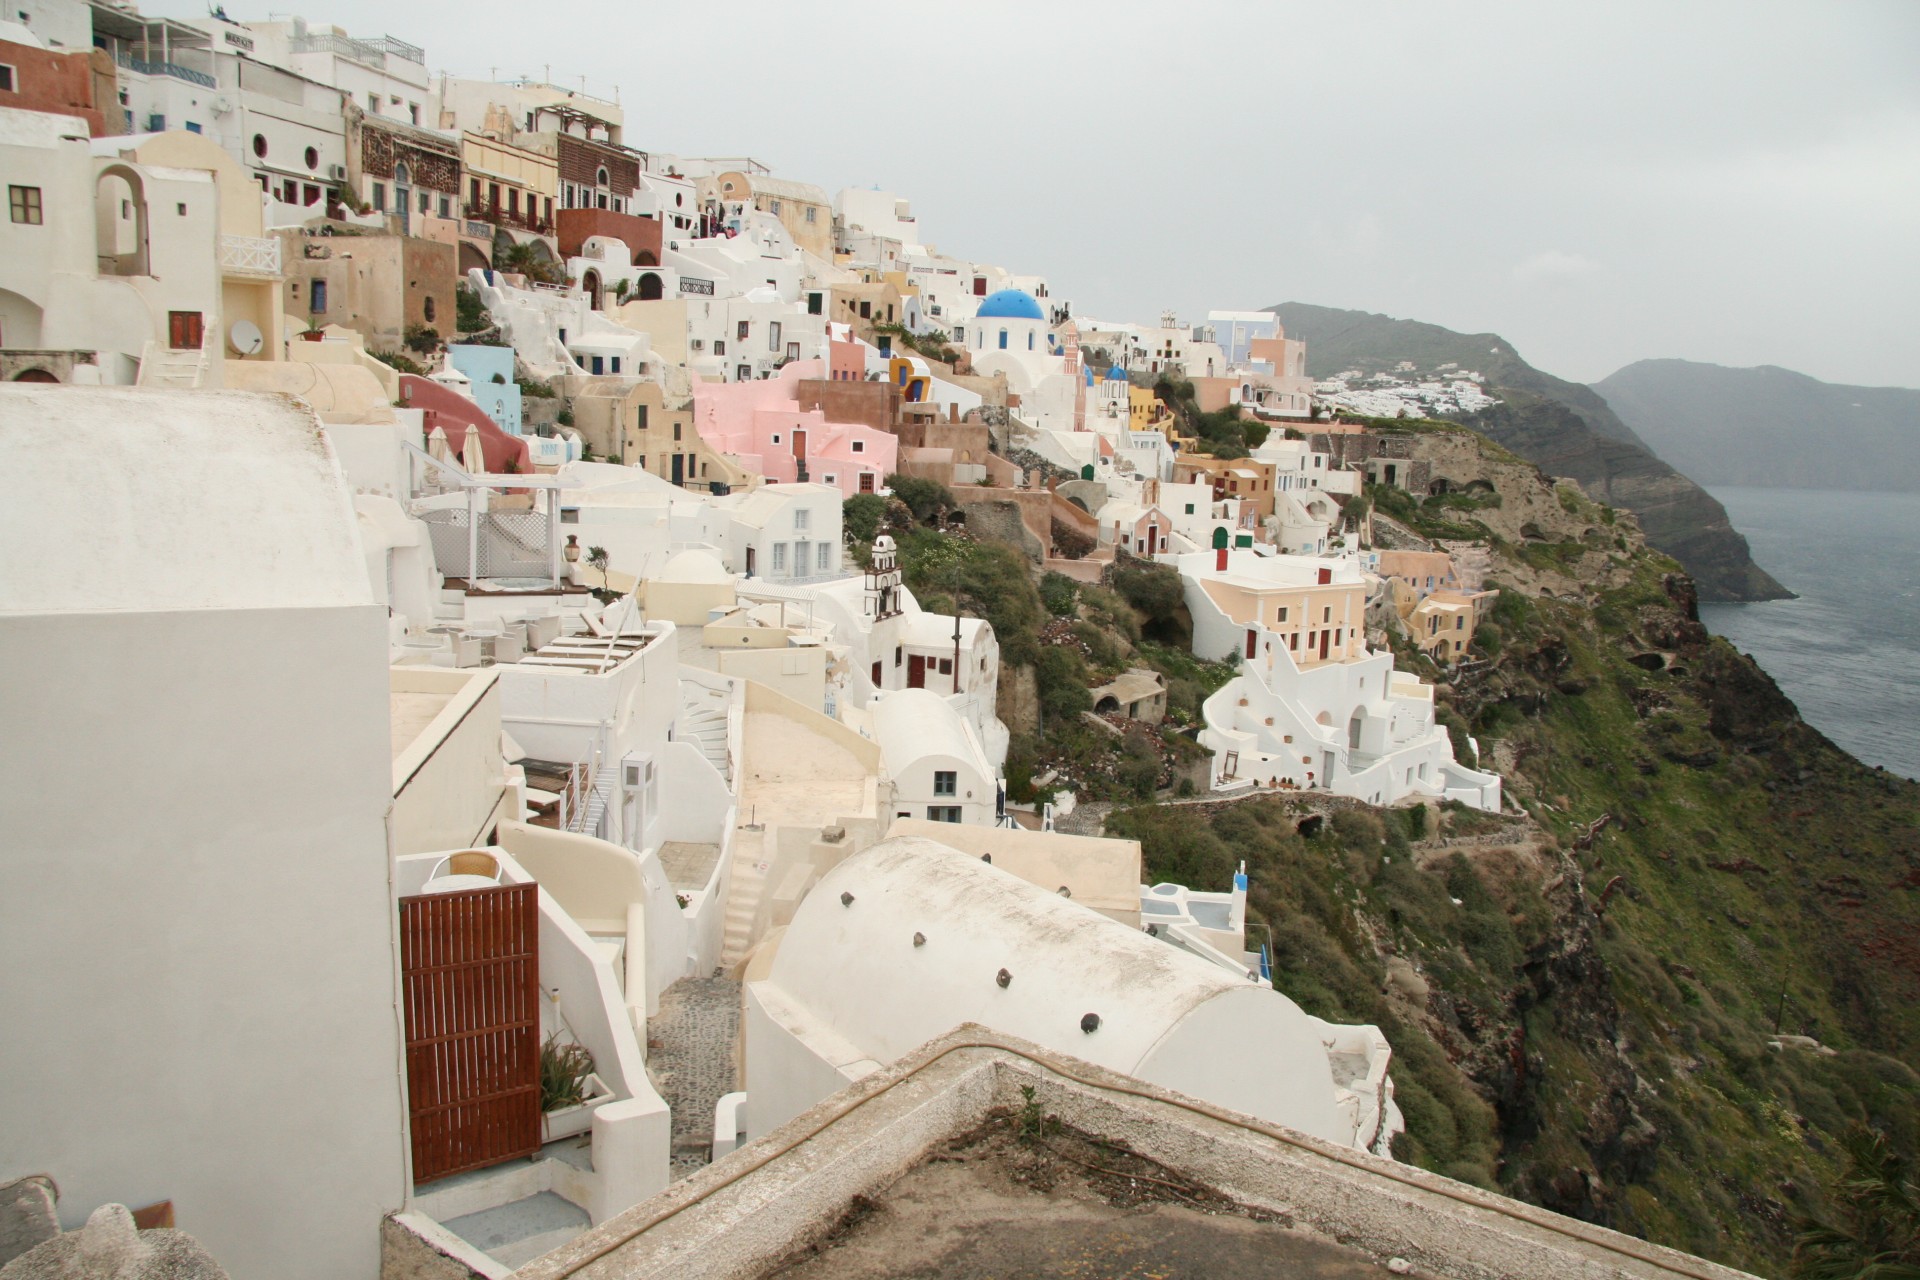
{"x":916,"y":671}
{"x":866,"y":482}
{"x":184,"y":330}
{"x":1324,"y":637}
{"x":800,"y":445}
{"x":1252,"y":638}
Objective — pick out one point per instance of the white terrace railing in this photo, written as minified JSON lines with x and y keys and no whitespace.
{"x":250,"y":255}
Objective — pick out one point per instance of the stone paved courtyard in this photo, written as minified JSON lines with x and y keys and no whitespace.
{"x":690,"y":1056}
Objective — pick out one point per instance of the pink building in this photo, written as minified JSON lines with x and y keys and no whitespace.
{"x":761,"y":423}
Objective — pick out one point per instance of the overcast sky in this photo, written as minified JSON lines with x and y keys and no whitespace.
{"x":1599,"y":183}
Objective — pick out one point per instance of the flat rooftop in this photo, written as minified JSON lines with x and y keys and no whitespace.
{"x":990,"y":1206}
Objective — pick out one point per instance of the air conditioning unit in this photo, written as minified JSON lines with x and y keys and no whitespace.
{"x":337,"y":172}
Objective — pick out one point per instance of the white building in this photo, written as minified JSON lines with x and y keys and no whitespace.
{"x":113,"y":262}
{"x":209,"y":940}
{"x":933,"y":757}
{"x":909,"y":939}
{"x":1313,"y":708}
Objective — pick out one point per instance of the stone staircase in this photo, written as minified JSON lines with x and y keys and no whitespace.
{"x":746,"y":885}
{"x":703,"y":722}
{"x":163,"y":367}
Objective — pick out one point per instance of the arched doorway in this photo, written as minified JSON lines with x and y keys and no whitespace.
{"x":120,"y":222}
{"x":650,"y":287}
{"x":1354,"y":726}
{"x":471,"y":257}
{"x":1220,"y":537}
{"x":645,"y":258}
{"x":590,"y":283}
{"x":36,"y":375}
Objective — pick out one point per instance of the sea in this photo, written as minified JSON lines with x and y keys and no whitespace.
{"x":1848,"y":650}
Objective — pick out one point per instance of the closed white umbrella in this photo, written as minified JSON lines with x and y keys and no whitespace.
{"x":472,"y":457}
{"x":437,"y":444}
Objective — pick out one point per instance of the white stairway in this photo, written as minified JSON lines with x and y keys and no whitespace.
{"x":162,"y":367}
{"x":704,"y":724}
{"x":746,"y":884}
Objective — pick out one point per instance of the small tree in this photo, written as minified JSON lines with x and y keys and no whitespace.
{"x":925,"y":498}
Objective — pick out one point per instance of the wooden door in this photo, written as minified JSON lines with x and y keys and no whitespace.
{"x":916,"y":671}
{"x":185,"y":330}
{"x":1252,"y":639}
{"x":470,"y":971}
{"x":1325,"y":636}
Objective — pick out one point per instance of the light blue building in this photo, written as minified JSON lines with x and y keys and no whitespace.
{"x":1236,"y":330}
{"x":490,"y":370}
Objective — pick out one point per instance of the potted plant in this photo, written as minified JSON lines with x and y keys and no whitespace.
{"x":569,"y":1089}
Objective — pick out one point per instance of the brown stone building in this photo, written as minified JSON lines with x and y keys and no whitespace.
{"x":66,"y":84}
{"x":408,"y":173}
{"x":377,"y":285}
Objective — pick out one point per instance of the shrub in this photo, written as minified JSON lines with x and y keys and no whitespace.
{"x":395,"y":360}
{"x":860,"y":516}
{"x":563,"y":1073}
{"x":422,"y":338}
{"x":1060,"y":594}
{"x":470,"y":316}
{"x":923,"y":497}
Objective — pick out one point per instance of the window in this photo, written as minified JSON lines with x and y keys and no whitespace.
{"x":811,"y":210}
{"x":719,"y":346}
{"x":413,"y":112}
{"x":859,"y":446}
{"x":744,"y":328}
{"x":380,"y":196}
{"x":776,"y":437}
{"x":793,"y":351}
{"x":946,"y":782}
{"x":897,"y":651}
{"x":23,"y":204}
{"x":493,"y":194}
{"x":779,"y":557}
{"x":446,"y":206}
{"x":1189,"y":508}
{"x":801,"y":518}
{"x":1326,"y":615}
{"x":824,"y":557}
{"x":569,"y":515}
{"x":773,"y":335}
{"x":426,"y":202}
{"x":260,"y":145}
{"x":943,"y":813}
{"x":676,"y":426}
{"x":946,"y":666}
{"x":775,"y":207}
{"x":317,"y":298}
{"x":813,"y":304}
{"x":1003,"y":339}
{"x":744,"y":373}
{"x":8,"y":81}
{"x":427,"y":309}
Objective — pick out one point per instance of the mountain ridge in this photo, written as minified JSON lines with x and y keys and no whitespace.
{"x":1565,"y":427}
{"x":1770,"y":427}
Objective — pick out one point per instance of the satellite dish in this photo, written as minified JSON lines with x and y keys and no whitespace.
{"x":245,"y":337}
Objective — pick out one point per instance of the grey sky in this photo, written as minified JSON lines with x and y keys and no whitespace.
{"x":1732,"y":182}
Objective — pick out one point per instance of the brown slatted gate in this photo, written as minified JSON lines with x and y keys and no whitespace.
{"x":471,"y":968}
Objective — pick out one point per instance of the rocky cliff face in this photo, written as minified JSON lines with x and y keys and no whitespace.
{"x":1678,"y":516}
{"x":1563,"y":427}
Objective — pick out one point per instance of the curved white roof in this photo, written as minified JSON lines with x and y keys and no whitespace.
{"x":1164,"y":1016}
{"x":135,"y":499}
{"x":694,"y":566}
{"x":911,"y":724}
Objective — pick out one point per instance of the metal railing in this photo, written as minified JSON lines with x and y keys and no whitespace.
{"x":254,"y":255}
{"x":174,"y":69}
{"x":372,"y":52}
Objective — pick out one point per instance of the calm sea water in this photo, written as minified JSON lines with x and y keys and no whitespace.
{"x":1848,"y":650}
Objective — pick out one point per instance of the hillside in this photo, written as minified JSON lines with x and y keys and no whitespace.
{"x":1770,"y":427}
{"x":1660,"y":993}
{"x":1584,"y":1002}
{"x":1564,"y":427}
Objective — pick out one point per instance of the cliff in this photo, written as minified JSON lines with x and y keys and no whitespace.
{"x":1563,"y":427}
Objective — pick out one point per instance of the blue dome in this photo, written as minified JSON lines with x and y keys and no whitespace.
{"x":1010,"y":304}
{"x":1116,"y":374}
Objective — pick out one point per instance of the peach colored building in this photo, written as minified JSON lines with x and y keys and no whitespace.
{"x":762,"y":424}
{"x":1318,"y":622}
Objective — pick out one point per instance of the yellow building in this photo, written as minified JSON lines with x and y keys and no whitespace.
{"x":251,"y":323}
{"x":1443,"y":624}
{"x":629,"y":422}
{"x":803,"y":209}
{"x":1318,"y":622}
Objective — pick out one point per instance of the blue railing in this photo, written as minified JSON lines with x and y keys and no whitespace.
{"x":168,"y":69}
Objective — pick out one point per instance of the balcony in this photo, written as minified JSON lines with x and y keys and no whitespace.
{"x":500,"y":216}
{"x":249,"y":256}
{"x":178,"y":72}
{"x":372,"y":53}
